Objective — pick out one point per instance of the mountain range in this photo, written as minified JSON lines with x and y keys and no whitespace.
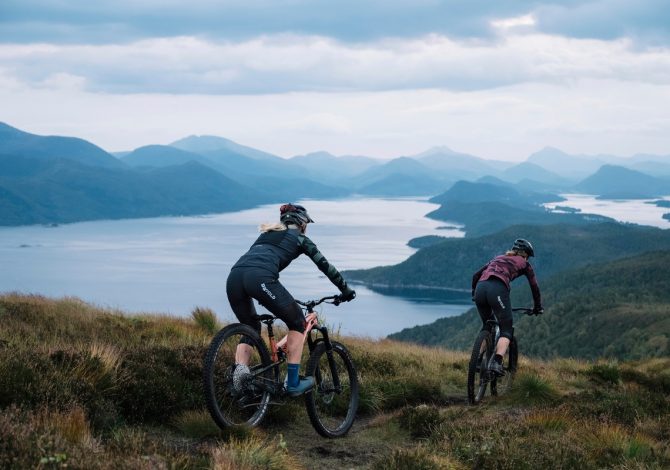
{"x":52,"y":179}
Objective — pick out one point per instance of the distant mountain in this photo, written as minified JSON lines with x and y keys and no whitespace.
{"x":210,"y":143}
{"x":398,"y":184}
{"x":628,"y":300}
{"x":573,"y":167}
{"x":401,"y":177}
{"x":612,"y":181}
{"x":652,"y":168}
{"x":451,"y":263}
{"x":468,"y":192}
{"x":63,"y":191}
{"x":531,"y":171}
{"x":162,"y":156}
{"x":457,"y":165}
{"x":328,"y":167}
{"x":17,"y":143}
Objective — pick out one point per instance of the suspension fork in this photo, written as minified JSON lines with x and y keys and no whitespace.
{"x":329,"y":354}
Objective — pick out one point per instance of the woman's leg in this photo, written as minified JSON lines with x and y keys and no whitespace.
{"x":243,"y":308}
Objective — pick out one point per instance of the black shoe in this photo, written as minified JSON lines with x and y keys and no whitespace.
{"x":496,"y":368}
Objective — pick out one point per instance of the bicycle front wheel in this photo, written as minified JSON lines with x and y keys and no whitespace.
{"x":237,"y":393}
{"x":478,"y":376}
{"x":502,"y":385}
{"x":332,"y":403}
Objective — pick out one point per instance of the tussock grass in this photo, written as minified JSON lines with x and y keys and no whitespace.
{"x":531,"y":388}
{"x":421,"y":420}
{"x":253,"y":453}
{"x":85,"y":387}
{"x":419,"y":458}
{"x":197,"y":424}
{"x":205,"y":318}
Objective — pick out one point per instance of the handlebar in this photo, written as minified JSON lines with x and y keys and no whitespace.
{"x":310,"y":304}
{"x":524,"y":310}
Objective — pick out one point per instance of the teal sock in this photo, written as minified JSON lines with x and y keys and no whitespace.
{"x":293,"y":378}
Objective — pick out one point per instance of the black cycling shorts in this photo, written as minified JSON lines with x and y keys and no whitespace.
{"x":245,"y":284}
{"x":492,"y":298}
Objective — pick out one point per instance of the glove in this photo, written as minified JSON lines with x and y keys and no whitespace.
{"x":538,"y":311}
{"x":348,"y":294}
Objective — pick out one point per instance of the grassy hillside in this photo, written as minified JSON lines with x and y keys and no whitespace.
{"x":450,"y":264}
{"x":619,"y":309}
{"x":87,"y":388}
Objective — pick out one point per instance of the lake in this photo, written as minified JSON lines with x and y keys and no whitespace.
{"x":637,"y":211}
{"x":172,"y":264}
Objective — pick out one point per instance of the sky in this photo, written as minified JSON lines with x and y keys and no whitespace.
{"x":380,"y":78}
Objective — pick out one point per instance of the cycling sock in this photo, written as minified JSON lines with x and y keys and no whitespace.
{"x":293,"y":378}
{"x":498,"y":358}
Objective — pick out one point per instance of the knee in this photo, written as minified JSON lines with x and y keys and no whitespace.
{"x":506,"y":328}
{"x":295,"y":321}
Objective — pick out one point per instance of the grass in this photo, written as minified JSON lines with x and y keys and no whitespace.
{"x":84,"y":387}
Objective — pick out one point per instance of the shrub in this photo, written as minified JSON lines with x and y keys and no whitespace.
{"x":605,"y":373}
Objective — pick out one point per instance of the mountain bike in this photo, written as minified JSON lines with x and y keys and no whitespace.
{"x":484,"y":348}
{"x":240,"y":395}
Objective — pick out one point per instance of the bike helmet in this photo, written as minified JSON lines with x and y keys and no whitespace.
{"x":523,"y":245}
{"x":294,"y":214}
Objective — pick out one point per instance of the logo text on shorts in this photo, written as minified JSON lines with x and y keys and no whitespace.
{"x":501,"y":302}
{"x":267,"y":291}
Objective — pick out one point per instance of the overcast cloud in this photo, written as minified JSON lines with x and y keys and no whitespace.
{"x":379,"y":77}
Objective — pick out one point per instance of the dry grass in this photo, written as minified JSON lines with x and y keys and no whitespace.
{"x":92,"y":388}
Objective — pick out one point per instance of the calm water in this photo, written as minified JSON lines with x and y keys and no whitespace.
{"x":637,"y":211}
{"x":172,"y":264}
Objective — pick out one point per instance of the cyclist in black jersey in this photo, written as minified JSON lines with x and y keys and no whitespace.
{"x":256,"y":276}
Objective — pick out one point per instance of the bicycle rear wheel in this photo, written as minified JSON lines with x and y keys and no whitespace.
{"x":503,"y":384}
{"x":332,"y":403}
{"x":237,"y":394}
{"x":478,"y":376}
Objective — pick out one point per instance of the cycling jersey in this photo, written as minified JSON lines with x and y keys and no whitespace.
{"x":275,"y":250}
{"x":507,"y":268}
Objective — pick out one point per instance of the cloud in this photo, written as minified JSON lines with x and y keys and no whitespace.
{"x":290,"y":63}
{"x":119,"y":21}
{"x":588,"y":116}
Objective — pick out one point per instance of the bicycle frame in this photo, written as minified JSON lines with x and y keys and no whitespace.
{"x":278,"y":349}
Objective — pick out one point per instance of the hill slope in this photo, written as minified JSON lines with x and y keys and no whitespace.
{"x":17,"y":143}
{"x":612,"y":181}
{"x":65,"y":191}
{"x":619,"y":309}
{"x":88,"y":388}
{"x":451,"y":263}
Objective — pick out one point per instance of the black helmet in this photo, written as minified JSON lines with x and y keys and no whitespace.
{"x":523,"y":245}
{"x":294,"y":214}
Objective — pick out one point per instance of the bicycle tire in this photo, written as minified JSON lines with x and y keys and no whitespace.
{"x":332,"y":412}
{"x":510,"y":361}
{"x":477,"y":368}
{"x":236,"y":401}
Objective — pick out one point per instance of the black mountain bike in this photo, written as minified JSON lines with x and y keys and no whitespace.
{"x":239,"y":395}
{"x":484,"y":348}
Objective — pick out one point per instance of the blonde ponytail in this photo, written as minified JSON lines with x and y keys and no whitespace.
{"x":273,"y":227}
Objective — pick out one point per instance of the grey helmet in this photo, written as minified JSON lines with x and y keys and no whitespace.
{"x":523,"y":245}
{"x":294,"y":214}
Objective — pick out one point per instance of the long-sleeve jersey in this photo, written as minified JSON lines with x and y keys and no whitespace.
{"x":275,"y":250}
{"x":507,"y":268}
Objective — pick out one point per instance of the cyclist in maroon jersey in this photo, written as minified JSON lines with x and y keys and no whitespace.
{"x":490,"y":291}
